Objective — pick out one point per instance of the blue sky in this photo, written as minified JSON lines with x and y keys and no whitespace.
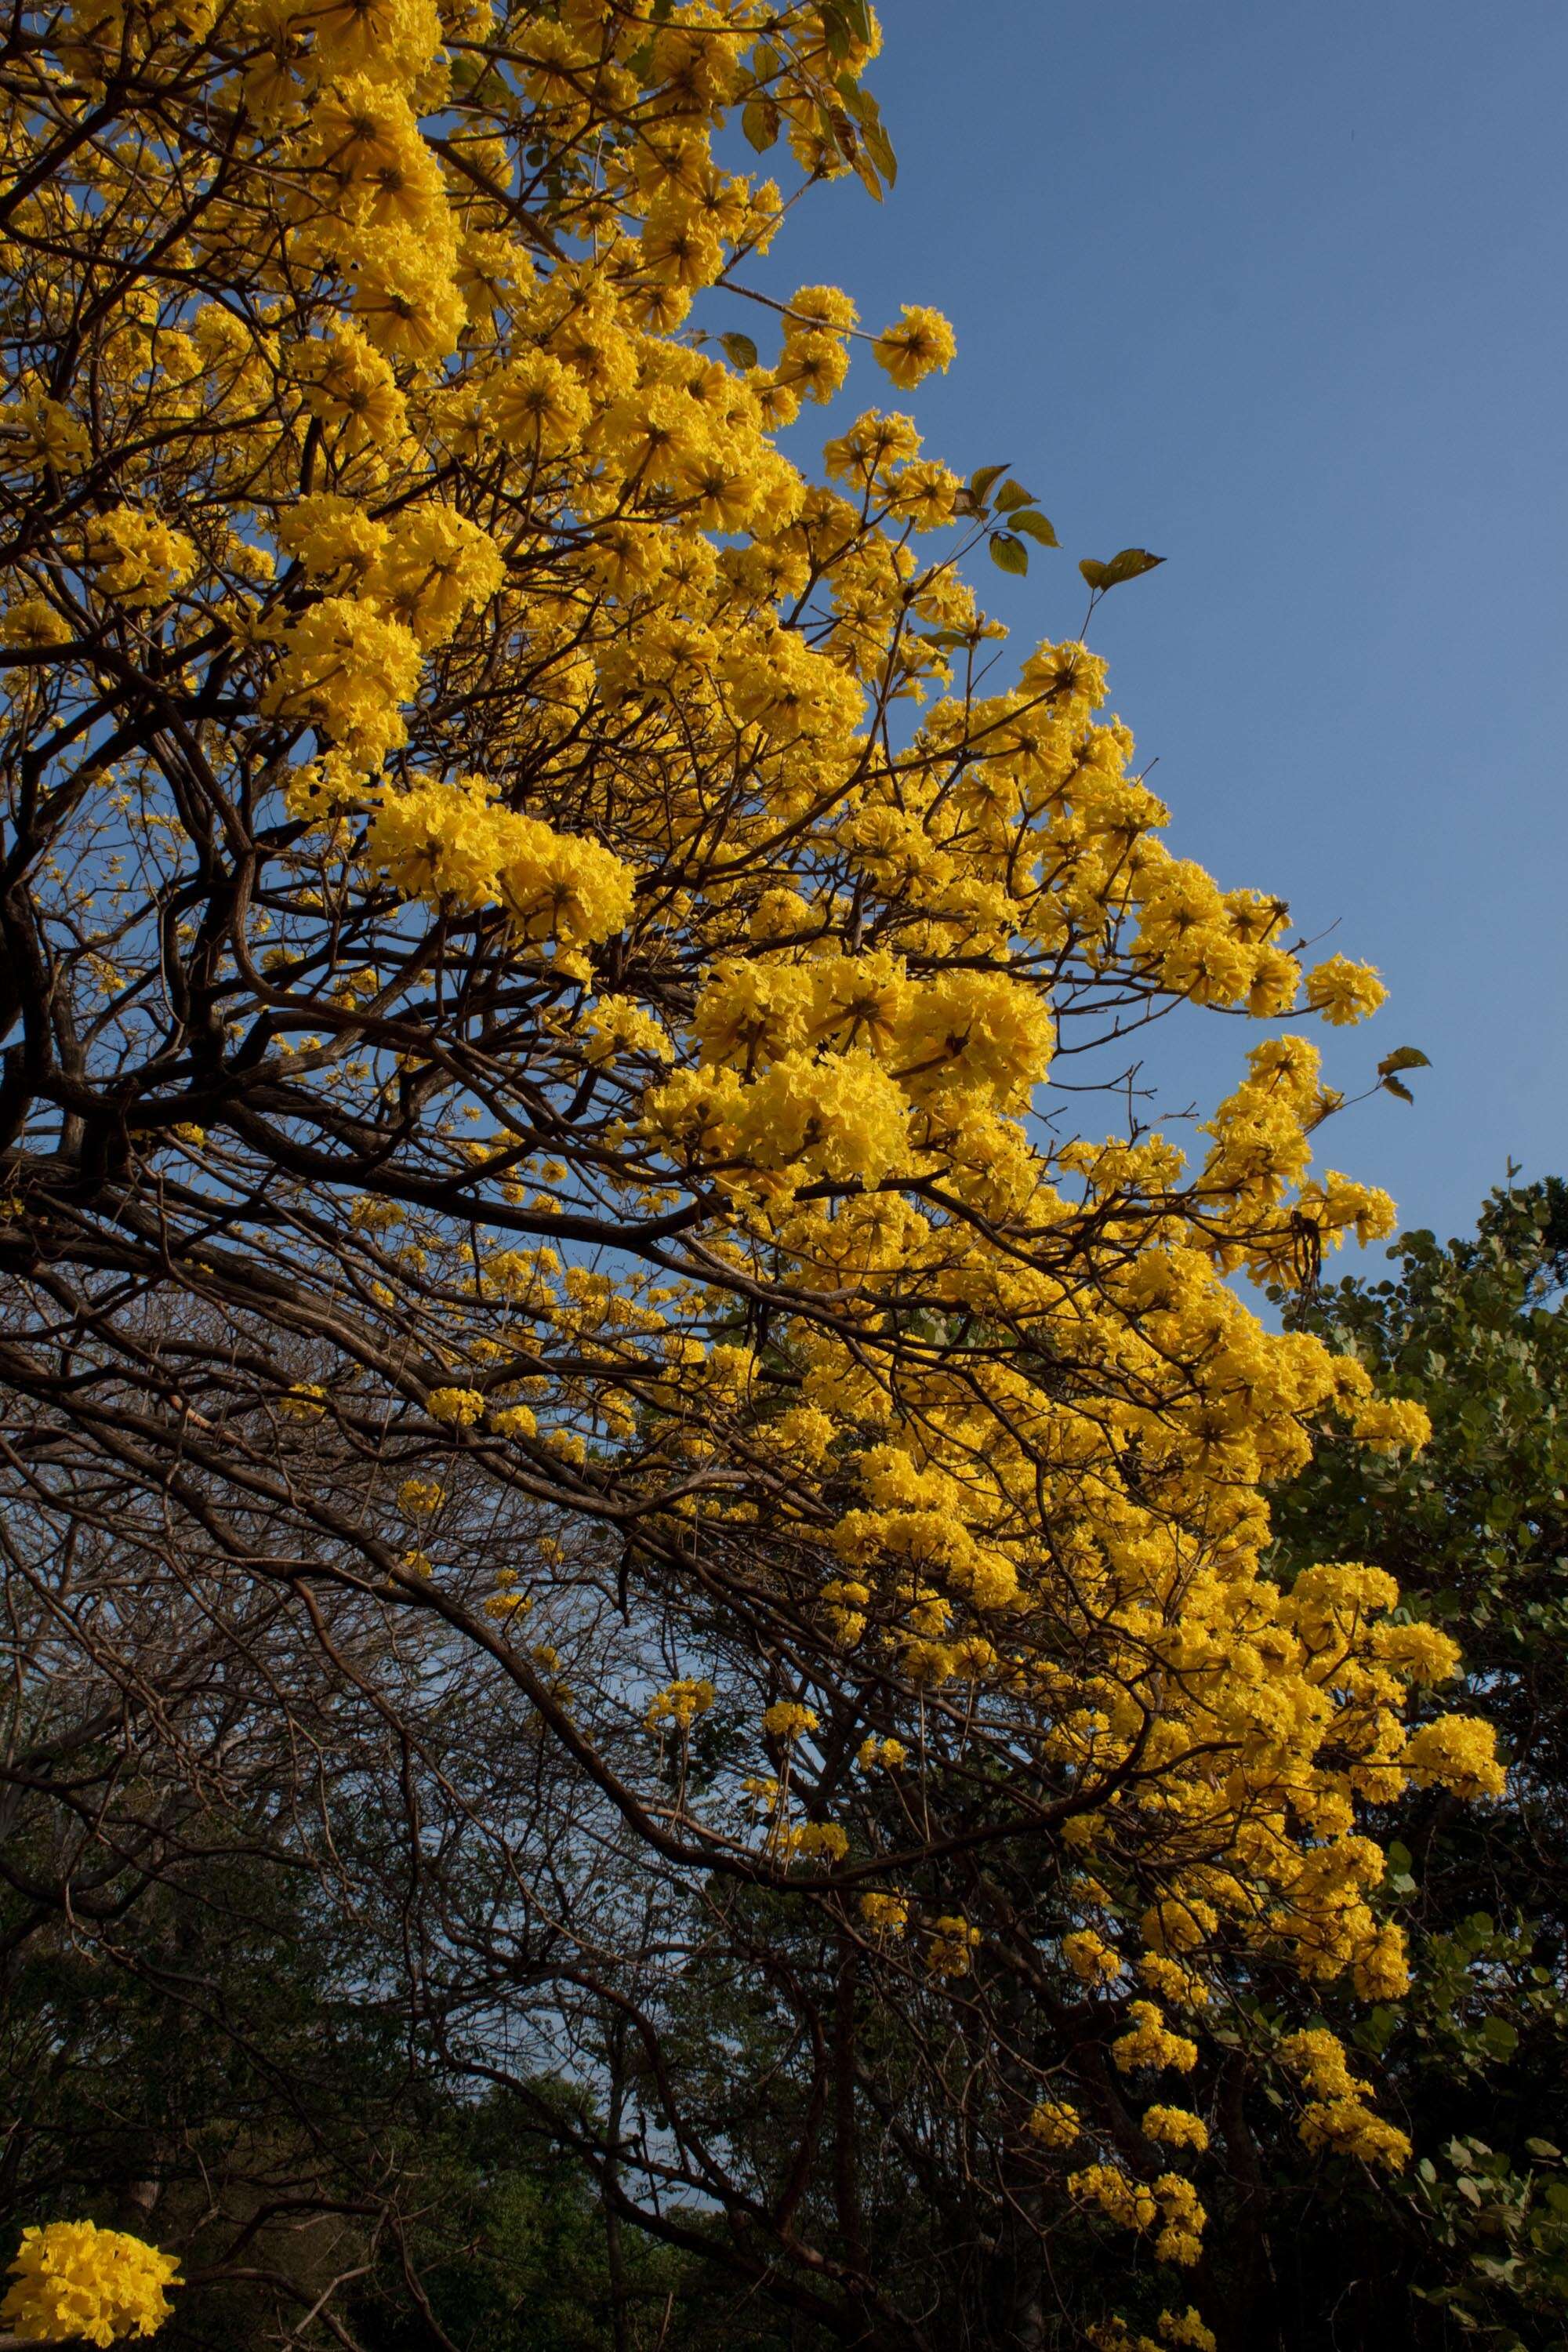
{"x":1280,"y":294}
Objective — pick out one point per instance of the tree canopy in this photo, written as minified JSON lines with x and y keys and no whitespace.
{"x":595,"y":1276}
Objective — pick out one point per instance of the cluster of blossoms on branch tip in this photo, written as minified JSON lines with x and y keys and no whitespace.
{"x":73,"y":2282}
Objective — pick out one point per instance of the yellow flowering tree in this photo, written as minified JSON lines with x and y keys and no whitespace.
{"x":549,"y":972}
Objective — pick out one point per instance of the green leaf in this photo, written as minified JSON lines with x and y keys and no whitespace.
{"x":1544,"y":2149}
{"x":1013,"y":495}
{"x":760,"y":122}
{"x":1007,"y":553}
{"x":859,"y":103}
{"x":865,"y":171}
{"x":1036,"y":526}
{"x":1501,"y":2037}
{"x":1403,"y":1057}
{"x":1130,"y":564}
{"x":740,"y":349}
{"x":1396,"y":1086}
{"x":879,"y":147}
{"x":836,"y":28}
{"x":981,"y":481}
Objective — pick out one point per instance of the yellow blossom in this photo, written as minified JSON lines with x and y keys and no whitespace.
{"x":680,"y":1703}
{"x":1344,"y":992}
{"x":1149,"y":2041}
{"x":1177,"y":2127}
{"x":787,"y":1720}
{"x":1090,"y":1961}
{"x":419,"y":1498}
{"x":461,"y":1408}
{"x":953,"y":1945}
{"x":136,"y":558}
{"x":1054,"y":2122}
{"x":72,"y":2282}
{"x":884,"y":1914}
{"x":920,"y":340}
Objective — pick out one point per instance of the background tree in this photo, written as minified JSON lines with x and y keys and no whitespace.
{"x":213,"y":2034}
{"x":1473,"y":2247}
{"x":1474,"y":1528}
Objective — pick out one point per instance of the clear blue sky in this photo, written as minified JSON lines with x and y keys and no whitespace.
{"x":1279,"y":293}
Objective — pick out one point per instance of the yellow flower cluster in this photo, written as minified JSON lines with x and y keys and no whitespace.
{"x":451,"y":845}
{"x":347,"y":669}
{"x":1176,"y":2126}
{"x":137,"y":559}
{"x":419,"y":1498}
{"x":1168,"y":2205}
{"x":815,"y":1840}
{"x":1149,"y":2041}
{"x":507,"y":1601}
{"x":680,"y":1703}
{"x":921,"y":340}
{"x":1054,"y":2122}
{"x":1456,"y":1751}
{"x":1187,"y":2329}
{"x":1182,"y":2328}
{"x":1337,"y":2117}
{"x":515,"y":1420}
{"x":1090,"y":1959}
{"x":952,"y":1946}
{"x":74,"y":2283}
{"x":460,"y":1408}
{"x":787,"y":1720}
